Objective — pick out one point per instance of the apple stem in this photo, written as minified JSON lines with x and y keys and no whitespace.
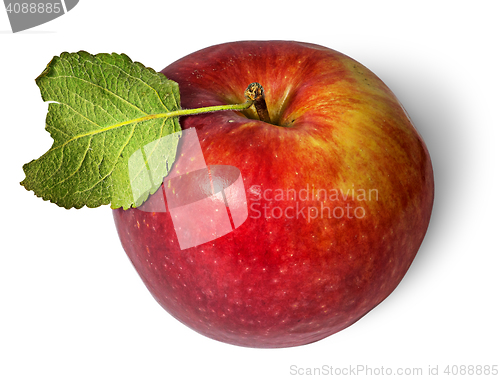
{"x":255,"y":92}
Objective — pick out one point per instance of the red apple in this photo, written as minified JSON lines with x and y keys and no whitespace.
{"x":339,"y":191}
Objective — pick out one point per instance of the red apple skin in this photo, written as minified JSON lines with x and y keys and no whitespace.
{"x":289,"y":281}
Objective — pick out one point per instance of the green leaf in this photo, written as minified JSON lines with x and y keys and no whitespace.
{"x":109,"y":118}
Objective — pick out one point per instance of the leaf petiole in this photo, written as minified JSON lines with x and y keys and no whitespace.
{"x":188,"y":112}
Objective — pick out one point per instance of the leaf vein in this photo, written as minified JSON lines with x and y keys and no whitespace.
{"x":116,"y":161}
{"x":77,"y":169}
{"x":101,"y":87}
{"x":147,"y":84}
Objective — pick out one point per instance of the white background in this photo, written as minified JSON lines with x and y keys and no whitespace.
{"x":71,"y":304}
